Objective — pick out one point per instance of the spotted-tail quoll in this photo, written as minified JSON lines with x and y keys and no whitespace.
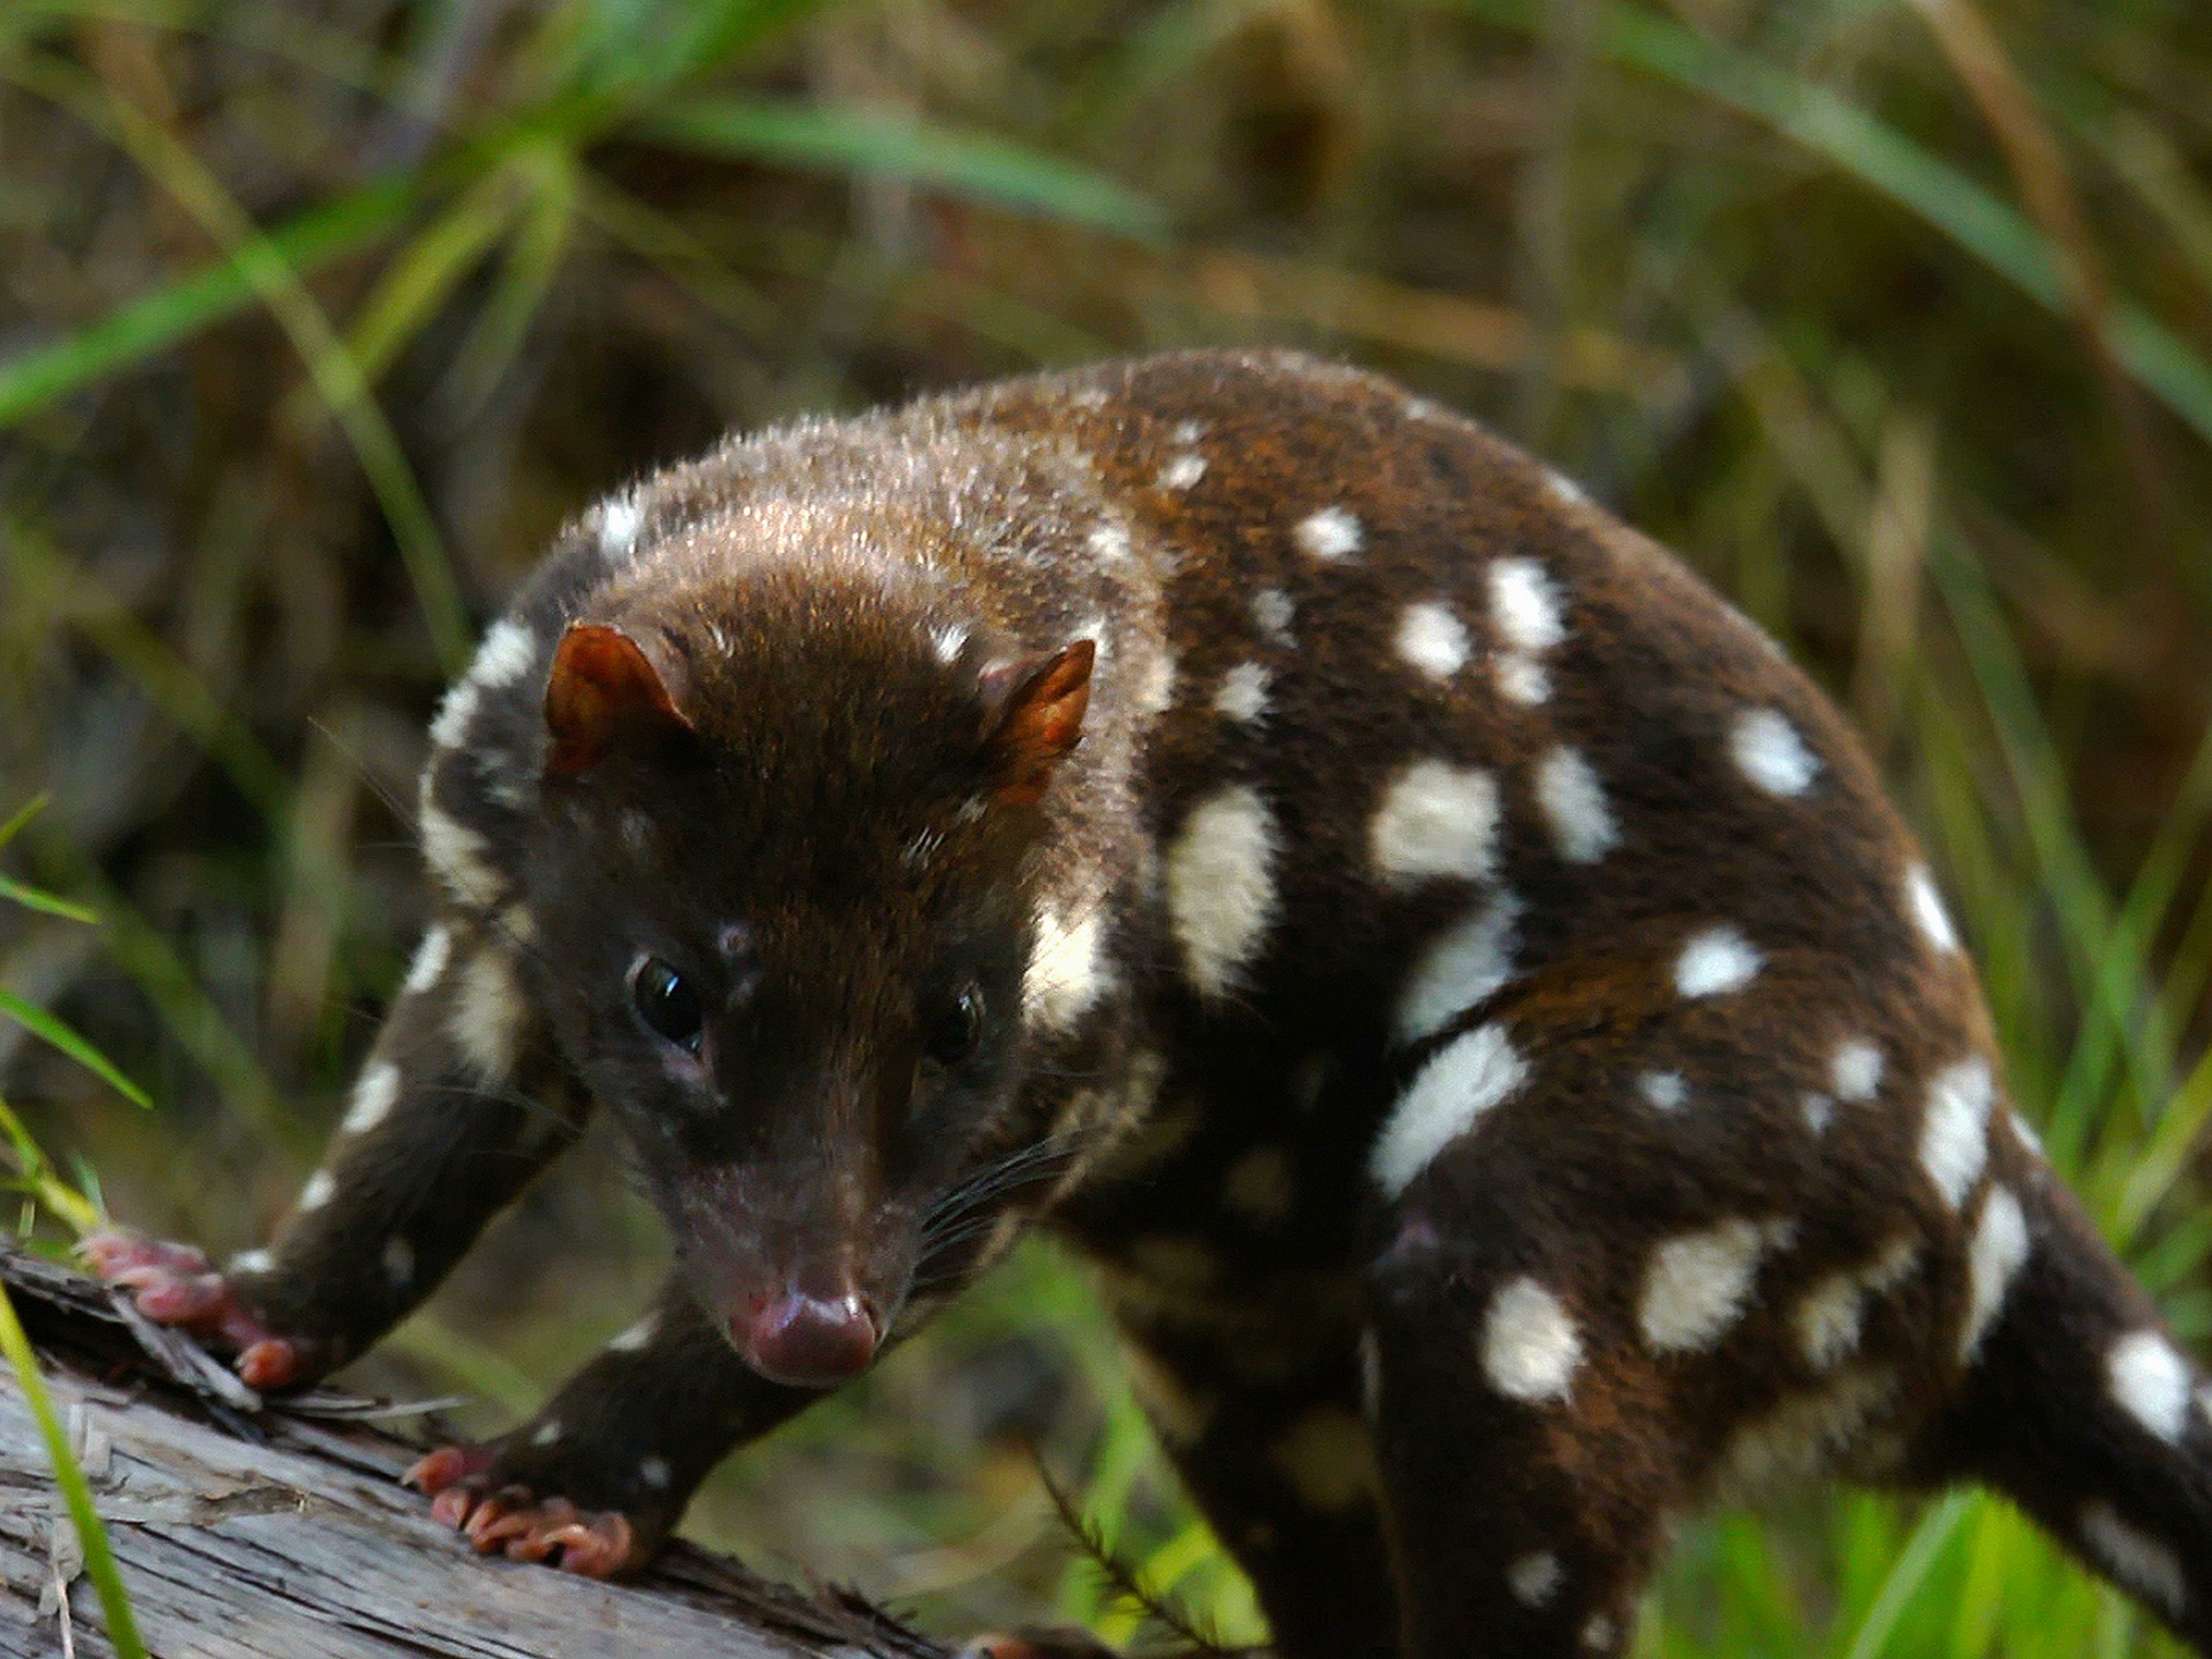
{"x":1462,"y":987}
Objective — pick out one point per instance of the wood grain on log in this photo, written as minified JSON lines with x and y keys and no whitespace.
{"x":250,"y":1530}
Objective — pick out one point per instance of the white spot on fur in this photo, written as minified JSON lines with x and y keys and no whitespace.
{"x":1598,"y":1633}
{"x":1272,"y":612}
{"x":1521,"y":678}
{"x":1535,"y":1578}
{"x":1926,"y":907}
{"x":428,"y":961}
{"x":2024,"y":1132}
{"x":653,"y":1472}
{"x":1184,"y":471}
{"x":619,"y":520}
{"x":1565,"y":489}
{"x":1243,"y":695}
{"x":487,"y":1011}
{"x":1829,"y":1316}
{"x":1770,"y":751}
{"x":1530,"y":1347}
{"x":1157,"y":689}
{"x":1954,"y":1136}
{"x":449,"y":730}
{"x":458,"y":858}
{"x":399,"y":1263}
{"x":1433,"y":640}
{"x":1110,"y":542}
{"x":1465,"y":1079}
{"x":1828,"y":1321}
{"x":1574,"y":801}
{"x":1997,"y":1252}
{"x":318,"y":1190}
{"x":1063,"y":976}
{"x":1329,"y":535}
{"x":2150,"y":1382}
{"x":1436,"y":819}
{"x":1818,"y":1111}
{"x":1189,"y":431}
{"x":547,"y":1432}
{"x":509,"y":652}
{"x":1468,"y":961}
{"x":948,"y":641}
{"x":1221,"y":891}
{"x":1695,"y":1286}
{"x":638,"y":1336}
{"x":1856,"y":1071}
{"x":252,"y":1261}
{"x":1663,"y":1092}
{"x":375,"y":1093}
{"x":1715,"y":962}
{"x":2135,"y":1558}
{"x":1525,"y":606}
{"x":1804,"y":1434}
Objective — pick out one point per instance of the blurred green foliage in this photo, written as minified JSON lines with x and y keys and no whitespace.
{"x":315,"y":319}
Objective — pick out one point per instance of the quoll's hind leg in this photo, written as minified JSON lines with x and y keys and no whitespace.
{"x":1633,"y":1246}
{"x":2077,"y":1403}
{"x":1528,"y":1466}
{"x":459,"y":1103}
{"x":595,"y":1481}
{"x":1278,"y":1458}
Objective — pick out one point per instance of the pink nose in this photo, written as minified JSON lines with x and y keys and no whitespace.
{"x":808,"y":1342}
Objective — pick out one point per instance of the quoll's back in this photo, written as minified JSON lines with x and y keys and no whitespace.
{"x":1464,"y":986}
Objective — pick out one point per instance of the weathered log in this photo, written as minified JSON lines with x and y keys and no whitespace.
{"x":277,"y":1530}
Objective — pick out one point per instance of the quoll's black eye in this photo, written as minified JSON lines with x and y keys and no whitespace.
{"x":953,"y":1035}
{"x":666,"y":1002}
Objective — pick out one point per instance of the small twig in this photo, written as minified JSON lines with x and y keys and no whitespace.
{"x":1121,"y":1577}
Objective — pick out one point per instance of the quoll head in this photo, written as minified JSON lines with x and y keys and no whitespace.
{"x":784,"y":870}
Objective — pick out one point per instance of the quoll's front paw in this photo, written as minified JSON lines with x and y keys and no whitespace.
{"x":174,"y":1284}
{"x":469,"y":1493}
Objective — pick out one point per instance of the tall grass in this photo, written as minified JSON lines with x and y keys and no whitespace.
{"x":1895,"y":318}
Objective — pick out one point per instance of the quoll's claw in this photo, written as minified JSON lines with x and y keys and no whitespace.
{"x":516,"y":1522}
{"x":431,"y":1475}
{"x":175,"y":1285}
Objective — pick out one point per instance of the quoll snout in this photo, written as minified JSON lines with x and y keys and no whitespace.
{"x":807,"y":1341}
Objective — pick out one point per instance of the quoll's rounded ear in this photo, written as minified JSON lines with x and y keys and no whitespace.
{"x":1035,"y":716}
{"x":604,"y":693}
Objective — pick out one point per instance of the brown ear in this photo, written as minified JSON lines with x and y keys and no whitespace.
{"x":603,"y":691}
{"x":1037,"y":717}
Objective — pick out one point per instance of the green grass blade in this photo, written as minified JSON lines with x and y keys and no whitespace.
{"x":156,"y":320}
{"x":189,"y":1013}
{"x":41,"y":1023}
{"x":36,"y":1177}
{"x":52,"y":903}
{"x":23,"y":815}
{"x":1893,"y":165}
{"x":337,"y":375}
{"x":1907,"y":1573}
{"x":886,"y":146}
{"x":99,"y":1560}
{"x":527,"y":269}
